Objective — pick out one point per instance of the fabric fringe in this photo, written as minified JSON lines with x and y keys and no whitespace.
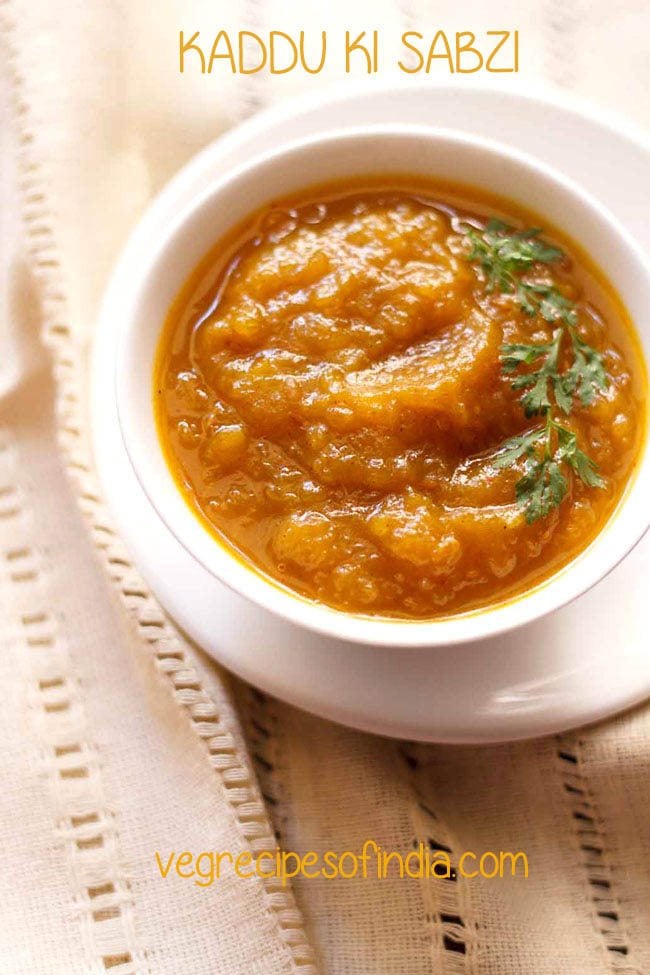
{"x":591,"y":837}
{"x":452,"y":936}
{"x":171,"y":653}
{"x":83,"y":823}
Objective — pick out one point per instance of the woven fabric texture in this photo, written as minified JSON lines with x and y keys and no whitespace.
{"x":119,"y":738}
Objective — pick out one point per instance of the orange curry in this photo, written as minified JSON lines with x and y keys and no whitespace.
{"x":334,"y":399}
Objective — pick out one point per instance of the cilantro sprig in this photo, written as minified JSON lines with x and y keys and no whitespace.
{"x":503,"y":253}
{"x":507,"y":259}
{"x":546,"y":449}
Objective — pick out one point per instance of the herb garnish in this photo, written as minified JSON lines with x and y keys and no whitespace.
{"x":505,"y":256}
{"x":546,"y":448}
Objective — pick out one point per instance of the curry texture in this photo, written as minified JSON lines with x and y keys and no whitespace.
{"x":330,"y":399}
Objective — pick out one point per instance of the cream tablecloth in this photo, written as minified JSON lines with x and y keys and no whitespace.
{"x":118,"y":738}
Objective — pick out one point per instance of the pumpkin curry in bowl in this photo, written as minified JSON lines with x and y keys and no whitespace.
{"x":400,"y":400}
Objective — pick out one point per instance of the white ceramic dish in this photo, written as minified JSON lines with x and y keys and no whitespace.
{"x":577,"y":665}
{"x":339,"y":154}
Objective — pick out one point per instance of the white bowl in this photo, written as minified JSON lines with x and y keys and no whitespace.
{"x":413,"y":150}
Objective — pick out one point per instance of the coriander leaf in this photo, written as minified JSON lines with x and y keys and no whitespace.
{"x":542,"y":488}
{"x":536,"y":399}
{"x":496,"y":271}
{"x":563,"y":394}
{"x":501,"y":252}
{"x":526,"y":251}
{"x":586,"y":469}
{"x":554,"y":307}
{"x":557,"y":485}
{"x":546,"y":449}
{"x":587,"y":375}
{"x":526,"y":303}
{"x":521,"y":247}
{"x":505,"y":255}
{"x":517,"y":447}
{"x":515,"y":354}
{"x":567,"y":442}
{"x":579,"y":462}
{"x":545,"y":300}
{"x":583,"y":378}
{"x":495,"y":226}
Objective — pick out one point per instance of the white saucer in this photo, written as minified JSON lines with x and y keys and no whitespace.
{"x":583,"y":663}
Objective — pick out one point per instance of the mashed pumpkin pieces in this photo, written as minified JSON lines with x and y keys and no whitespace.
{"x":331,"y":398}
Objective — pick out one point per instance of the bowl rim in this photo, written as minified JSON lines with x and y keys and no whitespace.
{"x":252,"y":583}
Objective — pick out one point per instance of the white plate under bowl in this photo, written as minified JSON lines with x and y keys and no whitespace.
{"x":582,"y":663}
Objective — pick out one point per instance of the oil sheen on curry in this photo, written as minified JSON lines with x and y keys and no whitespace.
{"x":400,"y":400}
